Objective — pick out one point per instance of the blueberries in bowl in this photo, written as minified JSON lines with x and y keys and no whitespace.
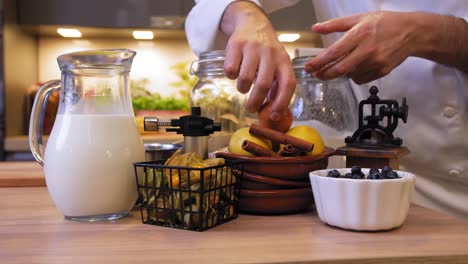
{"x":357,"y":173}
{"x":374,"y":174}
{"x":334,"y":174}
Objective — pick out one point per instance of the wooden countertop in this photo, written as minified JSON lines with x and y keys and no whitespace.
{"x":21,"y":174}
{"x":32,"y":230}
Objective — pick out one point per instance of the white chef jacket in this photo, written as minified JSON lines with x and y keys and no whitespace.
{"x":437,"y":95}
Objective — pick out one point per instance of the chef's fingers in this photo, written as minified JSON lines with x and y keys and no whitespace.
{"x":341,"y":24}
{"x":333,"y":53}
{"x":286,"y":86}
{"x":248,"y":69}
{"x":273,"y":91}
{"x":263,"y":82}
{"x":343,"y":67}
{"x":233,"y":59}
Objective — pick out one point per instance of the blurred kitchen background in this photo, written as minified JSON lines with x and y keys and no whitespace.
{"x":34,"y":32}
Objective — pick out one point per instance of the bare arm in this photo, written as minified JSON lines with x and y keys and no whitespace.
{"x":449,"y":43}
{"x":254,"y":55}
{"x":375,"y":43}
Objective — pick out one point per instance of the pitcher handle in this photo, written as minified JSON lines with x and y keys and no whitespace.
{"x":37,"y":119}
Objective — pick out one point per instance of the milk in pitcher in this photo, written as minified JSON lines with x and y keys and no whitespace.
{"x":88,"y":166}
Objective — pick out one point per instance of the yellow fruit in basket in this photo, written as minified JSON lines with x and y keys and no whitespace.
{"x":309,"y":134}
{"x":235,"y":143}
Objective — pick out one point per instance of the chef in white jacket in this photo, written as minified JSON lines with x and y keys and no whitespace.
{"x":416,"y":49}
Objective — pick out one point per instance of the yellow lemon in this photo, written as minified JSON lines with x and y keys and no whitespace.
{"x":235,"y":143}
{"x":309,"y":134}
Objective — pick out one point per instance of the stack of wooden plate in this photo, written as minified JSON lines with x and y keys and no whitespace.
{"x":277,"y":185}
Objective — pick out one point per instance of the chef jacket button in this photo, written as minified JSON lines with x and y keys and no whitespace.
{"x":450,"y":111}
{"x":454,"y":173}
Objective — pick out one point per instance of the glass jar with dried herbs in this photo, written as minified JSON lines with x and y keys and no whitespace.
{"x":217,"y":95}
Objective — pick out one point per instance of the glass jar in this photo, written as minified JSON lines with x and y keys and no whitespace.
{"x":216,"y":95}
{"x":328,"y":106}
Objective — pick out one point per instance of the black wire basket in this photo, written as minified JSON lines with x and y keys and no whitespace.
{"x":188,"y":198}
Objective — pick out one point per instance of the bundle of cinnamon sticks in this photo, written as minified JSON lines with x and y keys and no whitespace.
{"x":283,"y":145}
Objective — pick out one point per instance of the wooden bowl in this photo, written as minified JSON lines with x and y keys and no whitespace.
{"x":275,"y":201}
{"x":258,"y":182}
{"x":290,"y":168}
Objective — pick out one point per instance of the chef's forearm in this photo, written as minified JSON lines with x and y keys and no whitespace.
{"x":442,"y":39}
{"x":242,"y":12}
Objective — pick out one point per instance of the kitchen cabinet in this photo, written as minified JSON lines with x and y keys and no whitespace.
{"x":2,"y":89}
{"x":104,"y":13}
{"x":140,"y":14}
{"x":2,"y":86}
{"x":19,"y":70}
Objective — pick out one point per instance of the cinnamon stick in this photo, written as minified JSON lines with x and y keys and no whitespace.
{"x":279,"y":137}
{"x":290,"y":151}
{"x":286,"y":150}
{"x":258,"y":150}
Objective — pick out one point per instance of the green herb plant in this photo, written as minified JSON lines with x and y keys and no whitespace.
{"x":142,"y":99}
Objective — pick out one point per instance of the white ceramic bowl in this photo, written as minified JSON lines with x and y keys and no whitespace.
{"x":362,"y":204}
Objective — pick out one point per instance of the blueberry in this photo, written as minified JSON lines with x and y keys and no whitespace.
{"x":385,"y":171}
{"x":355,"y":169}
{"x":357,"y":176}
{"x":374,"y":174}
{"x":334,"y":174}
{"x":348,"y":175}
{"x":392,"y":175}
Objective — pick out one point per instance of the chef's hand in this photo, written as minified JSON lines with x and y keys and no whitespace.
{"x":375,"y":43}
{"x":254,"y":55}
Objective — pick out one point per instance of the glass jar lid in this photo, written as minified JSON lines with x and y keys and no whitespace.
{"x":298,"y":66}
{"x":209,"y":62}
{"x":303,"y":55}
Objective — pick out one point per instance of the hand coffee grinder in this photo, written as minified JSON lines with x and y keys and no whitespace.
{"x":194,"y":127}
{"x":373,"y":145}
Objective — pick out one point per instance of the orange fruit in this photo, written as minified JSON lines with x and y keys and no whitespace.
{"x":281,"y":125}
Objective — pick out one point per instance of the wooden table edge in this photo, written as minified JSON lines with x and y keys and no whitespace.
{"x":430,"y":259}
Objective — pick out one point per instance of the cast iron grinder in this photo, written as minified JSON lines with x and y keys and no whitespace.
{"x":194,"y":127}
{"x":373,"y":145}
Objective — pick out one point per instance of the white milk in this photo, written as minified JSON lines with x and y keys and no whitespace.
{"x":88,"y":164}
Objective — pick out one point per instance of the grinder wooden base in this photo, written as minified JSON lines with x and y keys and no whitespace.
{"x":372,"y":157}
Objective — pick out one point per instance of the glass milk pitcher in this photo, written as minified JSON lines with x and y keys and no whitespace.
{"x":94,"y":141}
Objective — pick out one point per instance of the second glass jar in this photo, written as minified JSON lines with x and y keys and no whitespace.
{"x":216,"y":95}
{"x":329,"y":106}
